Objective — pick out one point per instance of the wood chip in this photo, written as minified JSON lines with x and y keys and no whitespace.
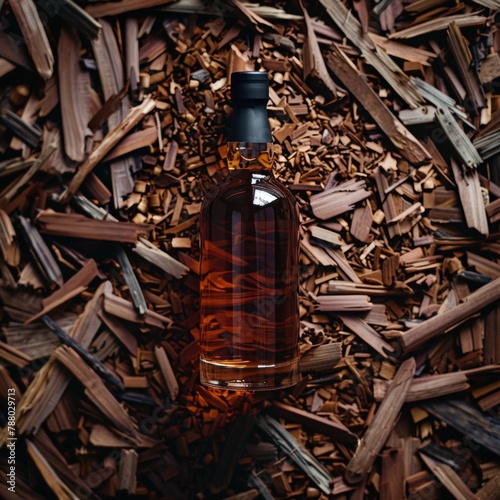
{"x":167,"y":372}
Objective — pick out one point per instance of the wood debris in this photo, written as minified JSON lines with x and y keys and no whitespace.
{"x":321,"y":358}
{"x":314,"y":64}
{"x":380,"y":428}
{"x":338,"y":199}
{"x":442,"y":323}
{"x":448,"y":478}
{"x":386,"y":120}
{"x":390,"y":71}
{"x":127,"y":472}
{"x":79,"y":226}
{"x":35,"y":36}
{"x":74,"y":15}
{"x":480,"y":428}
{"x":122,"y":6}
{"x":75,"y":101}
{"x":114,"y":136}
{"x":55,"y":483}
{"x":314,"y":469}
{"x":404,"y":140}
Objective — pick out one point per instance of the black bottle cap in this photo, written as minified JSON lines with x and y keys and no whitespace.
{"x":249,"y":85}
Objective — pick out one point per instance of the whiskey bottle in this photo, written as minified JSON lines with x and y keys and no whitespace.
{"x":249,"y":258}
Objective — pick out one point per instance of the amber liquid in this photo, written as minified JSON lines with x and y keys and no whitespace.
{"x":249,"y":280}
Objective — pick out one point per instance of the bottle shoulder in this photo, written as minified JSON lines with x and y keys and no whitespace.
{"x":256,"y":190}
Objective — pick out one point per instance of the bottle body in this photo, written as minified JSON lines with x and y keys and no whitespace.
{"x":249,"y":277}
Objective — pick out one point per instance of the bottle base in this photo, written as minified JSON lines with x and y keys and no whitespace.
{"x":242,"y":377}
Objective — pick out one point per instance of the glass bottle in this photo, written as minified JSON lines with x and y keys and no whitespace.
{"x":249,"y":258}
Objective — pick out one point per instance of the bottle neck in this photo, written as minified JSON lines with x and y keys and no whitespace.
{"x":250,"y":140}
{"x":250,"y":156}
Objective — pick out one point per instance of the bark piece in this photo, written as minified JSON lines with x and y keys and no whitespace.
{"x":35,"y":341}
{"x":392,"y":477}
{"x":458,"y":139}
{"x":79,"y":226}
{"x":133,"y":142}
{"x":321,"y":358}
{"x":348,"y":288}
{"x":132,"y":51}
{"x":131,"y":280}
{"x":317,"y":472}
{"x":48,"y":473}
{"x":314,"y":64}
{"x":361,"y":222}
{"x":491,"y":339}
{"x":13,"y":356}
{"x":339,"y":199}
{"x":127,"y":471}
{"x":74,"y":90}
{"x":461,"y":20}
{"x":463,"y":58}
{"x":350,"y":303}
{"x":9,"y":245}
{"x":41,"y":253}
{"x":482,"y":429}
{"x":35,"y":37}
{"x":27,"y":133}
{"x":167,"y":372}
{"x":82,"y":278}
{"x":381,"y":426}
{"x":433,"y":386}
{"x":111,"y":75}
{"x":84,"y":354}
{"x":73,"y":15}
{"x":449,"y":479}
{"x":471,"y":198}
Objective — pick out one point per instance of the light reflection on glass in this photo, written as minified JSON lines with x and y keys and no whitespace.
{"x":261,"y":197}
